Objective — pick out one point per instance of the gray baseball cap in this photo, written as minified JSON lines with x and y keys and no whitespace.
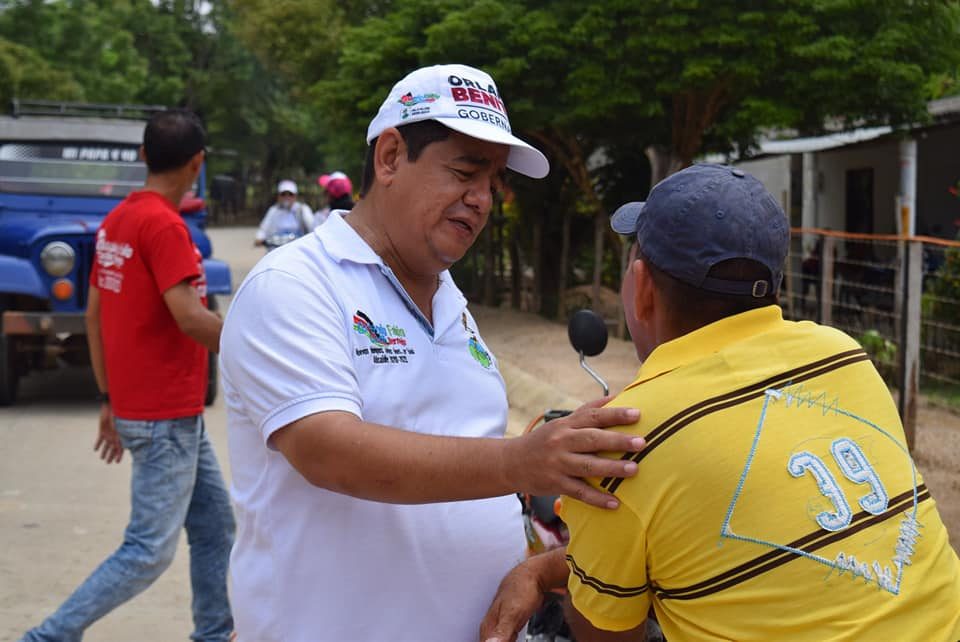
{"x":706,"y":214}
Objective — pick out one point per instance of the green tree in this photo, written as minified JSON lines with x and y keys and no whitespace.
{"x":85,"y":39}
{"x":676,"y":78}
{"x":593,"y":84}
{"x":25,"y":74}
{"x":705,"y":75}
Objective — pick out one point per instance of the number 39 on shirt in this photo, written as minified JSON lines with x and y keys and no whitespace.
{"x":855,"y":467}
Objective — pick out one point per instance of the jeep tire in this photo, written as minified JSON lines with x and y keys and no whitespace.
{"x":9,"y":373}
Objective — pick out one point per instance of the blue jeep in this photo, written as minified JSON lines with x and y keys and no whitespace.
{"x":63,"y":167}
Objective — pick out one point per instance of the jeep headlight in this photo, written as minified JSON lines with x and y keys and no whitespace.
{"x":57,"y":258}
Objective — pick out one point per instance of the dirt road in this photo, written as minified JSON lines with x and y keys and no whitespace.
{"x":62,"y":510}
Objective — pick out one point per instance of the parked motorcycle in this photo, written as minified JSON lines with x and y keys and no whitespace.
{"x":274,"y":241}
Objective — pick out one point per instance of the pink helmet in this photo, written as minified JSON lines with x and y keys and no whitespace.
{"x":336,"y":184}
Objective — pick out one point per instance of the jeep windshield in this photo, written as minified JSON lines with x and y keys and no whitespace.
{"x":67,"y":169}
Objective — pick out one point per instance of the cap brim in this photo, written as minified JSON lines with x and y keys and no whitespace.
{"x":524,"y":158}
{"x":625,"y":220}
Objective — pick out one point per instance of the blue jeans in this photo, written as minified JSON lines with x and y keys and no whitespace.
{"x":176,"y":483}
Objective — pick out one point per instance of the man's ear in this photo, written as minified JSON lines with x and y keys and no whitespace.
{"x":390,"y":151}
{"x":196,"y":161}
{"x":644,"y":291}
{"x":142,"y":154}
{"x":193,"y":166}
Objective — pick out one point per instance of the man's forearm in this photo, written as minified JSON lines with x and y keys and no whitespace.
{"x":95,"y":340}
{"x":340,"y":452}
{"x":521,"y":593}
{"x":204,"y":327}
{"x":385,"y":464}
{"x":192,"y":317}
{"x":551,"y":567}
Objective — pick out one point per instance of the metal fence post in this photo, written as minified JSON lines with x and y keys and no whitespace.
{"x":909,"y":374}
{"x":827,"y":254}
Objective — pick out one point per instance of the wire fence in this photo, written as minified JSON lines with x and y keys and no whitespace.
{"x":855,"y":282}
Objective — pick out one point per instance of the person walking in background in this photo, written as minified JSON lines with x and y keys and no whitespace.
{"x":338,"y":194}
{"x":287,"y":219}
{"x":149,"y":332}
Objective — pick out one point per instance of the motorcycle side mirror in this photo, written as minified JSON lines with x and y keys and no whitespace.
{"x":588,"y":335}
{"x":587,"y":332}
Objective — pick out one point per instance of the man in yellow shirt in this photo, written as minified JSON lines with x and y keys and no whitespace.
{"x":776,"y":498}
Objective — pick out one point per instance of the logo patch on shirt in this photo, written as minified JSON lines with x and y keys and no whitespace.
{"x":111,"y":257}
{"x":477,"y":351}
{"x":388,"y":343}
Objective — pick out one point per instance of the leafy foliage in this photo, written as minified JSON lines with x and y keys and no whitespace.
{"x":290,"y":85}
{"x":25,"y":74}
{"x":942,"y":297}
{"x":883,"y":353}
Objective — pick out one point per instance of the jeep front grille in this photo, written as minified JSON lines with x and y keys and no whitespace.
{"x":85,"y":254}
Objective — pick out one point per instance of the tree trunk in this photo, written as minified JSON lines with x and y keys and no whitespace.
{"x":498,"y":245}
{"x":567,"y":150}
{"x":266,"y":195}
{"x":599,"y":231}
{"x":663,"y":163}
{"x":564,"y":262}
{"x":516,"y":274}
{"x":489,"y":265}
{"x":694,"y":113}
{"x":537,"y":262}
{"x":621,"y":317}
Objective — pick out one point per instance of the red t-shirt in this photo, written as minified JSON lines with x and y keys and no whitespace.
{"x":154,"y":370}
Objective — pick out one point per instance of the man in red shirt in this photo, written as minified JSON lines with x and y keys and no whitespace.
{"x":149,"y":331}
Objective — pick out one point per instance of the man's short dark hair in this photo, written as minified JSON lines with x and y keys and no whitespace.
{"x":691,"y":307}
{"x":171,"y":139}
{"x":416,"y":136}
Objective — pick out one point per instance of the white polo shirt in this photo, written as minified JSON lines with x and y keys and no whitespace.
{"x":323,"y":324}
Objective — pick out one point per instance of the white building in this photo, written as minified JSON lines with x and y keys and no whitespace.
{"x":861,"y":181}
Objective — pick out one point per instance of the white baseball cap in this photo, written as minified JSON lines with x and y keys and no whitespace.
{"x":287,"y":186}
{"x":465,"y":100}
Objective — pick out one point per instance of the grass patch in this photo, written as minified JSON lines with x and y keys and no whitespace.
{"x":942,"y":393}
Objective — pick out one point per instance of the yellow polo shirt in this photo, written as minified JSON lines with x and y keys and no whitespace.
{"x":775,"y":500}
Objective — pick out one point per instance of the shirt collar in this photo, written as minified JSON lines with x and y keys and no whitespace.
{"x":708,"y":340}
{"x":343,"y":243}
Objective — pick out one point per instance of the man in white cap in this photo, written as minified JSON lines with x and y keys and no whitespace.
{"x":373,"y":488}
{"x":286,"y":219}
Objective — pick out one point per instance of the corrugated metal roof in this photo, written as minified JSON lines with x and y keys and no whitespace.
{"x":941,"y":107}
{"x":944,"y":106}
{"x":106,"y":130}
{"x":820,"y":143}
